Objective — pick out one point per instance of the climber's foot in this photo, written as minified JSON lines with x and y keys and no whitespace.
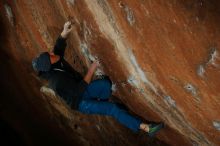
{"x":154,"y":129}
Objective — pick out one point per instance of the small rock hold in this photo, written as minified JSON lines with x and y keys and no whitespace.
{"x":201,"y":3}
{"x":98,"y":127}
{"x":132,"y":81}
{"x":201,"y":70}
{"x":9,"y":14}
{"x":114,"y":88}
{"x":216,"y":124}
{"x":194,"y":143}
{"x":170,"y":101}
{"x":92,"y":58}
{"x":190,"y":88}
{"x":47,"y":91}
{"x":70,"y":2}
{"x":213,"y":56}
{"x":121,"y":4}
{"x":99,"y":72}
{"x":130,"y":15}
{"x":142,"y":91}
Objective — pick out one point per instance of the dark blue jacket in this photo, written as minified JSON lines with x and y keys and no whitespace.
{"x":63,"y":79}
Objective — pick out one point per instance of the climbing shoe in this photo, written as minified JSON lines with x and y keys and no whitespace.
{"x":154,"y":129}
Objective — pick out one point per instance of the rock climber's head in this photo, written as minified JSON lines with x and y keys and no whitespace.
{"x":44,"y":60}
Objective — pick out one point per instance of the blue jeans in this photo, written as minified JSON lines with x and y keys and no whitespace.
{"x":95,"y":101}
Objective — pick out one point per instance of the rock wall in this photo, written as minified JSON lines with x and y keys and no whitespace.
{"x":163,"y":57}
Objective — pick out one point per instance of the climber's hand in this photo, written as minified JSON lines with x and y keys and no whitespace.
{"x":67,"y":26}
{"x":66,"y":29}
{"x":95,"y":64}
{"x":91,"y":70}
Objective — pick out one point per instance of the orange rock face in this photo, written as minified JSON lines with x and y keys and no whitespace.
{"x":163,"y":57}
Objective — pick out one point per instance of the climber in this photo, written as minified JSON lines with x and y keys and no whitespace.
{"x":81,"y":93}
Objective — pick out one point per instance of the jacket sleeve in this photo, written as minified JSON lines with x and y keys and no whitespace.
{"x":60,"y":46}
{"x":81,"y":87}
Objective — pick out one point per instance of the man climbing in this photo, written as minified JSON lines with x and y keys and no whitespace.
{"x":82,"y":94}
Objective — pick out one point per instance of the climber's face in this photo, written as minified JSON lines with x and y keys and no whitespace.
{"x":54,"y":58}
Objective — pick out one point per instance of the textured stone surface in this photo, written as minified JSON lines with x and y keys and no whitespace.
{"x":163,"y":57}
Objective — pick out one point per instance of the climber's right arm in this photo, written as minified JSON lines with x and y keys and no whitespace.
{"x":60,"y":45}
{"x":91,"y":70}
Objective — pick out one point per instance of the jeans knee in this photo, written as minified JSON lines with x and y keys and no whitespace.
{"x":105,"y":84}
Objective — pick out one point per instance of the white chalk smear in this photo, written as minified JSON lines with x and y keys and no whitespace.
{"x":132,"y":81}
{"x":90,"y":58}
{"x":99,"y":72}
{"x":140,"y":71}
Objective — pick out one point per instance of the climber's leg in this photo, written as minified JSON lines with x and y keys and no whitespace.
{"x":98,"y":89}
{"x":111,"y":109}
